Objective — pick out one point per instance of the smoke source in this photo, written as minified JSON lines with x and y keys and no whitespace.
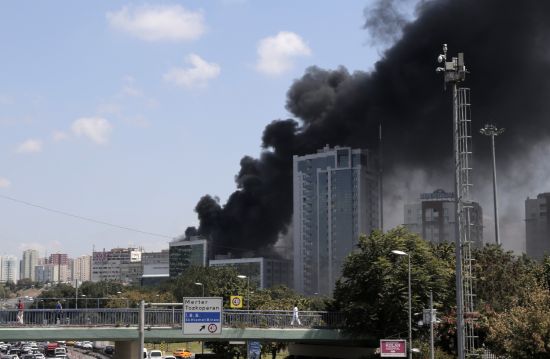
{"x":507,"y":49}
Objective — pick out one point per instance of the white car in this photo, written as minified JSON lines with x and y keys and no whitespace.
{"x":87,"y":345}
{"x":155,"y":354}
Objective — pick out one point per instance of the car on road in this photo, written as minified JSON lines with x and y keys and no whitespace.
{"x":182,"y":353}
{"x":169,"y":357}
{"x":109,"y":349}
{"x":87,"y":345}
{"x":155,"y":354}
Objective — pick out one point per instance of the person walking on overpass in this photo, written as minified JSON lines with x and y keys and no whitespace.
{"x":58,"y":309}
{"x":295,"y":317}
{"x":20,"y":311}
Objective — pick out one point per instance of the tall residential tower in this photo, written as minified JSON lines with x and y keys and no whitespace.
{"x":537,"y":226}
{"x":336,"y":199}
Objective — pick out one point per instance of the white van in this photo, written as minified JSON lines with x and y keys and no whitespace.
{"x":60,"y":351}
{"x":155,"y":354}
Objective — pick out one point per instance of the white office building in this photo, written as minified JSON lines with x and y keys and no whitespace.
{"x":118,"y":264}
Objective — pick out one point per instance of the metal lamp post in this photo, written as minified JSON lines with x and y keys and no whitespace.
{"x":492,"y":131}
{"x":247,"y":290}
{"x":401,"y":253}
{"x":200,"y":285}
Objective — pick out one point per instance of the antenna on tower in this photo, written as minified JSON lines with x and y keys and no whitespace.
{"x":454,"y":72}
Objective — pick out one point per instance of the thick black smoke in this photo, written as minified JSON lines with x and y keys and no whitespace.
{"x":507,"y":49}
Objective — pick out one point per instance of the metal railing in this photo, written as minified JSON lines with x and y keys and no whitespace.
{"x":165,"y":317}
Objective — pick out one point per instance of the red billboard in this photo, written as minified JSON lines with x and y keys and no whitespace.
{"x":393,"y":348}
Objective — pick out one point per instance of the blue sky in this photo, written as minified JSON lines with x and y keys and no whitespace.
{"x":129,"y":112}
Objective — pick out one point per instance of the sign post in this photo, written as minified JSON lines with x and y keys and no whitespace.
{"x":393,"y":348}
{"x":202,"y":316}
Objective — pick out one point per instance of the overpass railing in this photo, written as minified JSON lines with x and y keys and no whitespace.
{"x":167,"y":317}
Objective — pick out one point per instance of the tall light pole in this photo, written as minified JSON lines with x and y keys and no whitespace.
{"x":247,"y":290}
{"x":492,"y":131}
{"x":401,"y":253}
{"x":200,"y":285}
{"x":76,"y":294}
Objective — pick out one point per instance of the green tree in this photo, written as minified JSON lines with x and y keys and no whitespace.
{"x":523,"y":331}
{"x":501,"y":277}
{"x":373,"y":290}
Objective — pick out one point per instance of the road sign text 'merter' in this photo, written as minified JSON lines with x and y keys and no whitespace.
{"x":203,"y":305}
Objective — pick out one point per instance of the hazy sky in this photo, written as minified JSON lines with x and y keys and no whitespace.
{"x":128,"y":112}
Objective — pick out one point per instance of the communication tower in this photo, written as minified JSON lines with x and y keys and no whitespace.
{"x":454,"y":72}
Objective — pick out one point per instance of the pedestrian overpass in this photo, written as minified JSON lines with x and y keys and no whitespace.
{"x":120,"y":325}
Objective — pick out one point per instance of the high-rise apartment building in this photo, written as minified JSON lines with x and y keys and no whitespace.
{"x":61,"y":262}
{"x":336,"y":199}
{"x":82,"y":268}
{"x":117,"y":264}
{"x":9,"y":269}
{"x":537,"y":226}
{"x":184,"y":253}
{"x":433,"y":218}
{"x":28,"y":262}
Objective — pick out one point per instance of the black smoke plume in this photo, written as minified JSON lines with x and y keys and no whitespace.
{"x":507,"y":49}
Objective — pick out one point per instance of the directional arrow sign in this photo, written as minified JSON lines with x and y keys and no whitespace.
{"x":202,"y":316}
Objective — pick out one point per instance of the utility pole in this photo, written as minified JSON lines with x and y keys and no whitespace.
{"x":431,"y":326}
{"x":492,"y":131}
{"x":454,"y":72}
{"x":141,"y":327}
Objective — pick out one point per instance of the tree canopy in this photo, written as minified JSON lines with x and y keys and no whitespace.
{"x":373,"y":290}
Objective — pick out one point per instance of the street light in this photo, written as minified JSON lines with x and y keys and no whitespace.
{"x":200,"y":285}
{"x":247,"y":290}
{"x":492,"y":131}
{"x":401,"y":253}
{"x":86,"y":300}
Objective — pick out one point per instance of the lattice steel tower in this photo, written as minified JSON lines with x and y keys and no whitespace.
{"x":455,"y":73}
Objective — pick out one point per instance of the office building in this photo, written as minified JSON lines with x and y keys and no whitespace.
{"x":156,"y":267}
{"x":537,"y":226}
{"x":9,"y":269}
{"x":262,"y":272}
{"x":433,"y":218}
{"x":184,"y":253}
{"x":28,"y":262}
{"x":118,"y":264}
{"x":336,"y":199}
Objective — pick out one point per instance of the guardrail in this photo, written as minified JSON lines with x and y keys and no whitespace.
{"x":166,"y":317}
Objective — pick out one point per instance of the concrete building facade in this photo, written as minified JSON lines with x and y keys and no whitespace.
{"x":335,"y":200}
{"x":117,"y":264}
{"x":537,"y":226}
{"x":29,"y":260}
{"x":82,"y":268}
{"x":433,"y":218}
{"x":9,"y":269}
